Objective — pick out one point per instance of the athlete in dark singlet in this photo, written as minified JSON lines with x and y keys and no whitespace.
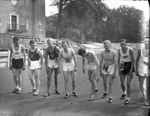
{"x":35,"y":60}
{"x":51,"y":62}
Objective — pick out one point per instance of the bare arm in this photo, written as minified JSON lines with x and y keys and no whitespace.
{"x":24,"y":56}
{"x":101,"y":61}
{"x":132,"y":60}
{"x":137,"y":61}
{"x":96,"y":60}
{"x":119,"y":66}
{"x":59,"y":60}
{"x":41,"y":57}
{"x":46,"y":58}
{"x":75,"y":58}
{"x":10,"y":58}
{"x":115,"y":63}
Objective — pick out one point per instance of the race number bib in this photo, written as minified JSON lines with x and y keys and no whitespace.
{"x":68,"y":59}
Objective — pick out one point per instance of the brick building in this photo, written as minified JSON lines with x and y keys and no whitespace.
{"x":25,"y":18}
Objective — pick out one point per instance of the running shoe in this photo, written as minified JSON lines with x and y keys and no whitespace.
{"x":96,"y":90}
{"x":91,"y":98}
{"x":110,"y":100}
{"x":127,"y":101}
{"x":123,"y":96}
{"x":15,"y":90}
{"x":57,"y":92}
{"x":18,"y":90}
{"x":104,"y":95}
{"x":75,"y":94}
{"x":36,"y":93}
{"x":67,"y":96}
{"x":46,"y":95}
{"x":146,"y":104}
{"x":142,"y":99}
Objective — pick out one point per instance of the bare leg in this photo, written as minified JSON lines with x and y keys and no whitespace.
{"x":141,"y":82}
{"x":49,"y":75}
{"x":129,"y":78}
{"x":73,"y":76}
{"x":122,"y":80}
{"x":37,"y":80}
{"x":66,"y":79}
{"x":55,"y":78}
{"x":30,"y":73}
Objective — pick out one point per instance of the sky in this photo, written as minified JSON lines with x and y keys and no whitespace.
{"x":141,"y":5}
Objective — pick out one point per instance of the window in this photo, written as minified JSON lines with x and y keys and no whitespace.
{"x":14,"y":22}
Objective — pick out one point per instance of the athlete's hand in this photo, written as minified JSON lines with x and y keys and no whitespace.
{"x":41,"y":68}
{"x":75,"y":69}
{"x":10,"y":67}
{"x":59,"y":70}
{"x":119,"y":72}
{"x":101,"y":74}
{"x":130,"y":73}
{"x":46,"y":69}
{"x":23,"y":68}
{"x":114,"y":76}
{"x":137,"y":73}
{"x":29,"y":63}
{"x":83,"y":70}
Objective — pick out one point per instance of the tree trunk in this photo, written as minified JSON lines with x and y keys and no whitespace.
{"x":60,"y":5}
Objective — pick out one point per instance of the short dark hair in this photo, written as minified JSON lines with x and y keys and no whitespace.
{"x":15,"y":38}
{"x":81,"y":51}
{"x":31,"y":42}
{"x":123,"y":40}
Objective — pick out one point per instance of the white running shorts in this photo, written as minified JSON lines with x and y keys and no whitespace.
{"x":108,"y":69}
{"x":34,"y":65}
{"x":68,"y":66}
{"x":52,"y":63}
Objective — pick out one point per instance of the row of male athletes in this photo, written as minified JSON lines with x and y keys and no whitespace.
{"x":108,"y":67}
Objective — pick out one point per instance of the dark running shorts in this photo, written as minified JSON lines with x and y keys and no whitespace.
{"x":17,"y":63}
{"x":125,"y":68}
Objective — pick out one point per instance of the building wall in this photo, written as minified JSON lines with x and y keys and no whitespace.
{"x":31,"y":14}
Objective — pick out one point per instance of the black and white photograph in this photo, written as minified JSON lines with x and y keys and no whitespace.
{"x":74,"y":58}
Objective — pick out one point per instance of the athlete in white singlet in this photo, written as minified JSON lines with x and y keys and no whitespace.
{"x":17,"y":63}
{"x":142,"y":70}
{"x":125,"y":69}
{"x":69,"y":66}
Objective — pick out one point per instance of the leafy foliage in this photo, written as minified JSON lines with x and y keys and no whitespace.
{"x":92,"y":20}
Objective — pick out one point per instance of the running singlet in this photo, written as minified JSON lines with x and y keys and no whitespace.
{"x":17,"y":54}
{"x":125,"y":57}
{"x":33,"y":55}
{"x":54,"y":54}
{"x":67,"y":56}
{"x":17,"y":58}
{"x":91,"y":65}
{"x":125,"y":61}
{"x":143,"y":67}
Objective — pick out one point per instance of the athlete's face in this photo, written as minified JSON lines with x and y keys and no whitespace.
{"x":33,"y":45}
{"x":107,"y":46}
{"x":123,"y":45}
{"x":146,"y":44}
{"x":16,"y":42}
{"x":50,"y":44}
{"x":65,"y":46}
